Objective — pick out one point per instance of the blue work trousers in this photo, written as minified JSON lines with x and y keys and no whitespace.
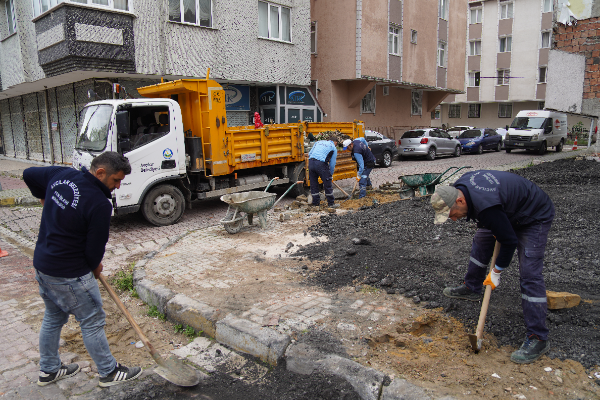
{"x":530,"y":249}
{"x":364,"y":182}
{"x":320,"y":169}
{"x":80,"y":297}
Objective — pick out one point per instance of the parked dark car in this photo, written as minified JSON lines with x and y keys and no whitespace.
{"x":480,"y":139}
{"x":383,"y":148}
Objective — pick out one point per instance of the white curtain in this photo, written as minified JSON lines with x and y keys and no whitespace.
{"x":174,"y":11}
{"x":274,"y":22}
{"x":285,"y":24}
{"x":189,"y":11}
{"x":121,"y":5}
{"x":205,"y":13}
{"x":263,"y":19}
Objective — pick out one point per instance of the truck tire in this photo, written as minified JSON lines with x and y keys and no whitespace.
{"x":163,"y":205}
{"x":559,"y":146}
{"x":543,"y":148}
{"x":299,"y":174}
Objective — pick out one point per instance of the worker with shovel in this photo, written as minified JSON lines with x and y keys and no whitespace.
{"x":321,"y":164}
{"x":518,"y":214}
{"x":68,"y":254}
{"x":365,"y":160}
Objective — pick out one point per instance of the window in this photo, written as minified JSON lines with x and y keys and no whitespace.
{"x":545,"y":40}
{"x":436,"y":114}
{"x":454,"y":111}
{"x":443,"y":6}
{"x":547,"y":6}
{"x":541,"y":105}
{"x":41,"y":6}
{"x":505,"y":110}
{"x":413,"y":36}
{"x":474,"y":78}
{"x":274,"y":21}
{"x":543,"y":72}
{"x":503,"y":76}
{"x":11,"y":17}
{"x":441,"y":54}
{"x":475,"y":48}
{"x":506,"y":10}
{"x":393,"y":40}
{"x":505,"y":44}
{"x":197,"y":12}
{"x":367,"y":105}
{"x":386,"y":90}
{"x":474,"y":111}
{"x":313,"y":37}
{"x":417,"y":102}
{"x":476,"y":14}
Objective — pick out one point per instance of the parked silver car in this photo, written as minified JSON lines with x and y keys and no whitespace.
{"x":428,"y":142}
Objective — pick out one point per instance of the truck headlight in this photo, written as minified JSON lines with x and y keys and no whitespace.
{"x":535,"y":137}
{"x":507,"y":137}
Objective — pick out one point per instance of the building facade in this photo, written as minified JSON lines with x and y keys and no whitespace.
{"x":506,"y":53}
{"x":56,"y":56}
{"x":388,"y":63}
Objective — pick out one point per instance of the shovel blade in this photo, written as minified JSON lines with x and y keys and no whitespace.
{"x":475,"y":342}
{"x":175,"y":371}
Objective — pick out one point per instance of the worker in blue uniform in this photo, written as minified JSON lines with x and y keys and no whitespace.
{"x":365,"y":160}
{"x":518,"y":214}
{"x":321,"y":164}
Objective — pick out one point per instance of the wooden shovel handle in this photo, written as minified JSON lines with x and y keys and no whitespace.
{"x":342,"y":190}
{"x":486,"y":296}
{"x":129,"y":317}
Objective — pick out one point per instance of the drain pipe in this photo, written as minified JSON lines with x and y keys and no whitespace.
{"x":49,"y":124}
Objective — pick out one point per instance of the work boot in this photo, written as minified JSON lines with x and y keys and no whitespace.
{"x":65,"y":371}
{"x":336,"y":205}
{"x":531,"y":349}
{"x":462,"y":292}
{"x":369,"y":187}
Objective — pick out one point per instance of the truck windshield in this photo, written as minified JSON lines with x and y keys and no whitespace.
{"x":528,"y":123}
{"x":94,"y":130}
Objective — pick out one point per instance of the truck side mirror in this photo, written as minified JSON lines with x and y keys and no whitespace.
{"x":122,"y":120}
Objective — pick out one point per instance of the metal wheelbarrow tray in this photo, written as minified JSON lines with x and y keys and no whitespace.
{"x":253,"y":202}
{"x":424,"y":183}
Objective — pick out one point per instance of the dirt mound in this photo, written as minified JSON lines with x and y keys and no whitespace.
{"x":400,"y":250}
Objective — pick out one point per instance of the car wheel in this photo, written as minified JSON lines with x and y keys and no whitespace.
{"x":431,"y":153}
{"x":508,"y":150}
{"x":480,"y":149}
{"x":163,"y":205}
{"x":542,"y":149}
{"x":456,"y":152}
{"x":559,"y":146}
{"x":386,"y":160}
{"x":499,"y":146}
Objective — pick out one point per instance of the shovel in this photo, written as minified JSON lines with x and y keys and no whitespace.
{"x":341,"y":190}
{"x":353,"y":190}
{"x":477,"y":338}
{"x":172,"y":369}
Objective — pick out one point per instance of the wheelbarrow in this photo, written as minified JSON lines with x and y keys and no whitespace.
{"x":424,"y":183}
{"x":250,"y":203}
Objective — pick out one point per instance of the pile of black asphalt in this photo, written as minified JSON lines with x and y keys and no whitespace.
{"x":397,"y":248}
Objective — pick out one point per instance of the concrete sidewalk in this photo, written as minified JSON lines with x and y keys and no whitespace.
{"x":13,"y":191}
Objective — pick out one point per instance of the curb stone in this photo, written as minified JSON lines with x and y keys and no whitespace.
{"x":268,"y":344}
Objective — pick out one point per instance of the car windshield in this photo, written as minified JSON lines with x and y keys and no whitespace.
{"x":528,"y":123}
{"x":471,"y":133}
{"x":412,"y":134}
{"x":94,"y":130}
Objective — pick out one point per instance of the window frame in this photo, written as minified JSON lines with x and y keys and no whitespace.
{"x":474,"y":110}
{"x":368,"y":102}
{"x":473,"y":47}
{"x":507,"y":44}
{"x":280,"y":24}
{"x":394,"y":33}
{"x":11,"y":20}
{"x":413,"y":36}
{"x":313,"y":37}
{"x":90,"y":3}
{"x":504,"y":15}
{"x":504,"y":110}
{"x":198,"y":20}
{"x":478,"y":15}
{"x":442,"y":53}
{"x":549,"y":35}
{"x":452,"y":108}
{"x":416,"y":102}
{"x":545,"y":68}
{"x":503,"y":77}
{"x":476,"y":80}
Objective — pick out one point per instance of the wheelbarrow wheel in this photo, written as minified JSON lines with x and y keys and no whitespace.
{"x":235,"y":226}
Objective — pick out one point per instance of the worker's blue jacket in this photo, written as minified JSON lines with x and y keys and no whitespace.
{"x":325,"y":151}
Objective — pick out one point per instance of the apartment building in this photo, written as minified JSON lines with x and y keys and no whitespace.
{"x":387,"y":62}
{"x":506,"y":62}
{"x":55,"y":56}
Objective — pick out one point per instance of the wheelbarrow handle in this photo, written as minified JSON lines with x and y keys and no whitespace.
{"x":269,"y":185}
{"x":446,"y":178}
{"x":286,"y":192}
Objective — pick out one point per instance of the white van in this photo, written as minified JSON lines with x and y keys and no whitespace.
{"x":537,"y":130}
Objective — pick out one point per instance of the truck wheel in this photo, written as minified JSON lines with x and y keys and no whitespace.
{"x":386,"y":161}
{"x":542,"y":149}
{"x":163,"y":205}
{"x":559,"y":146}
{"x":299,"y":174}
{"x":508,"y":150}
{"x":431,"y":153}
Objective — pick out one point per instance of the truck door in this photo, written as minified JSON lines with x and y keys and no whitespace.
{"x":153,"y":152}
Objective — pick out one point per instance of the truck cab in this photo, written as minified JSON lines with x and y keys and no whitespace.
{"x":537,"y":130}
